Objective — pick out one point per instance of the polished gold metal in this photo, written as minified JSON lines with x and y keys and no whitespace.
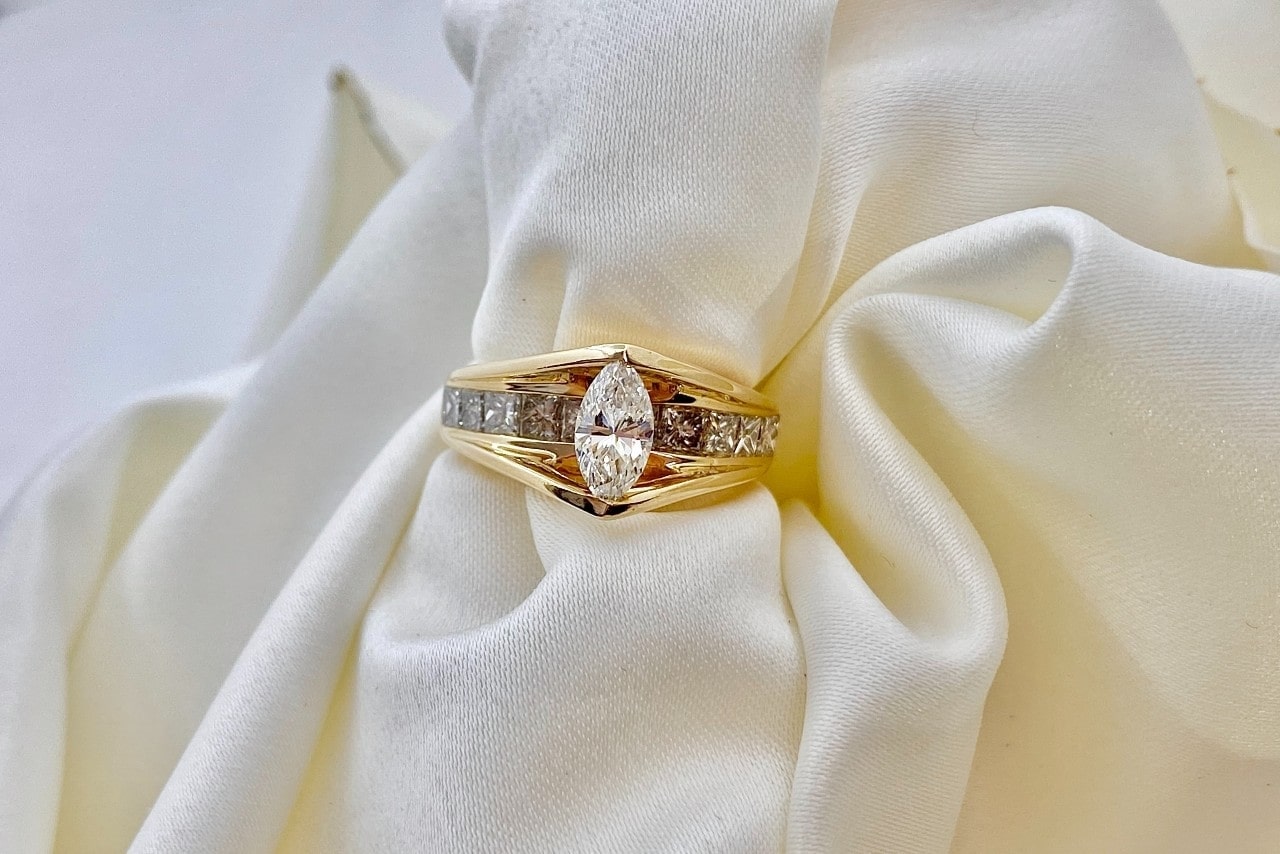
{"x":669,"y":475}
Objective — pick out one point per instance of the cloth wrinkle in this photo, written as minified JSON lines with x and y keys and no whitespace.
{"x":1009,"y":584}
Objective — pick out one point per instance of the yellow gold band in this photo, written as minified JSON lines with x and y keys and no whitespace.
{"x":611,"y":429}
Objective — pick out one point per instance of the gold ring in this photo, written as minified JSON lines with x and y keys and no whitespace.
{"x":610,"y":429}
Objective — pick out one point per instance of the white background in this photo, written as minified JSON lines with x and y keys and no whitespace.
{"x":152,"y":162}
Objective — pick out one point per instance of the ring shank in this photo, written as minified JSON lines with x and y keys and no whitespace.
{"x":702,"y":432}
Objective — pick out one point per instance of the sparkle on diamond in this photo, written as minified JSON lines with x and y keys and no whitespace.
{"x":680,"y":428}
{"x":749,"y":436}
{"x":470,"y":409}
{"x":614,"y":431}
{"x":540,"y":417}
{"x":450,"y":416}
{"x":720,"y":434}
{"x":501,"y":413}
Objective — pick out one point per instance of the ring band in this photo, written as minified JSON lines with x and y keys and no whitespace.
{"x":611,"y":429}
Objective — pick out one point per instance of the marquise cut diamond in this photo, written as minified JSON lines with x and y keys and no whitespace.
{"x":614,"y":431}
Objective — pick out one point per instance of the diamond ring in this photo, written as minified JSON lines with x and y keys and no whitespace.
{"x":610,"y":429}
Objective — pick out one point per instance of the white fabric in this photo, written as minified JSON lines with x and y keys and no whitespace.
{"x":1012,"y":584}
{"x":155,"y":161}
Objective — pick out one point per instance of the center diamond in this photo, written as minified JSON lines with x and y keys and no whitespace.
{"x":614,"y":431}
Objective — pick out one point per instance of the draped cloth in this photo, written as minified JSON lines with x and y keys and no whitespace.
{"x":1011,"y":585}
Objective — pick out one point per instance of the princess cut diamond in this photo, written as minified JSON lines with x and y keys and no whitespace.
{"x":719,"y":433}
{"x":540,"y":417}
{"x":748,"y":444}
{"x":449,"y":414}
{"x":470,"y":409}
{"x":500,"y":413}
{"x":680,"y":428}
{"x":769,"y":436}
{"x":569,"y":409}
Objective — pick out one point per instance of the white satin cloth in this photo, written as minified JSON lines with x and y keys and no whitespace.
{"x":1012,"y":584}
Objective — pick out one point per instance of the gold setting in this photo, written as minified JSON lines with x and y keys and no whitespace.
{"x":669,"y":475}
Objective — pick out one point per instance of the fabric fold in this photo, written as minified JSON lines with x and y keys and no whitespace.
{"x":1010,"y":584}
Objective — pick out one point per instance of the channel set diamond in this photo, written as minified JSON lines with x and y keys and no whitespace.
{"x":501,"y":413}
{"x":769,"y":436}
{"x":750,"y":428}
{"x":570,"y":408}
{"x":540,"y":417}
{"x":613,"y":427}
{"x":470,"y":409}
{"x":449,"y":414}
{"x":679,"y":428}
{"x":719,"y":433}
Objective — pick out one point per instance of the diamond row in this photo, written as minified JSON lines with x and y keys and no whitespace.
{"x":553,"y":417}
